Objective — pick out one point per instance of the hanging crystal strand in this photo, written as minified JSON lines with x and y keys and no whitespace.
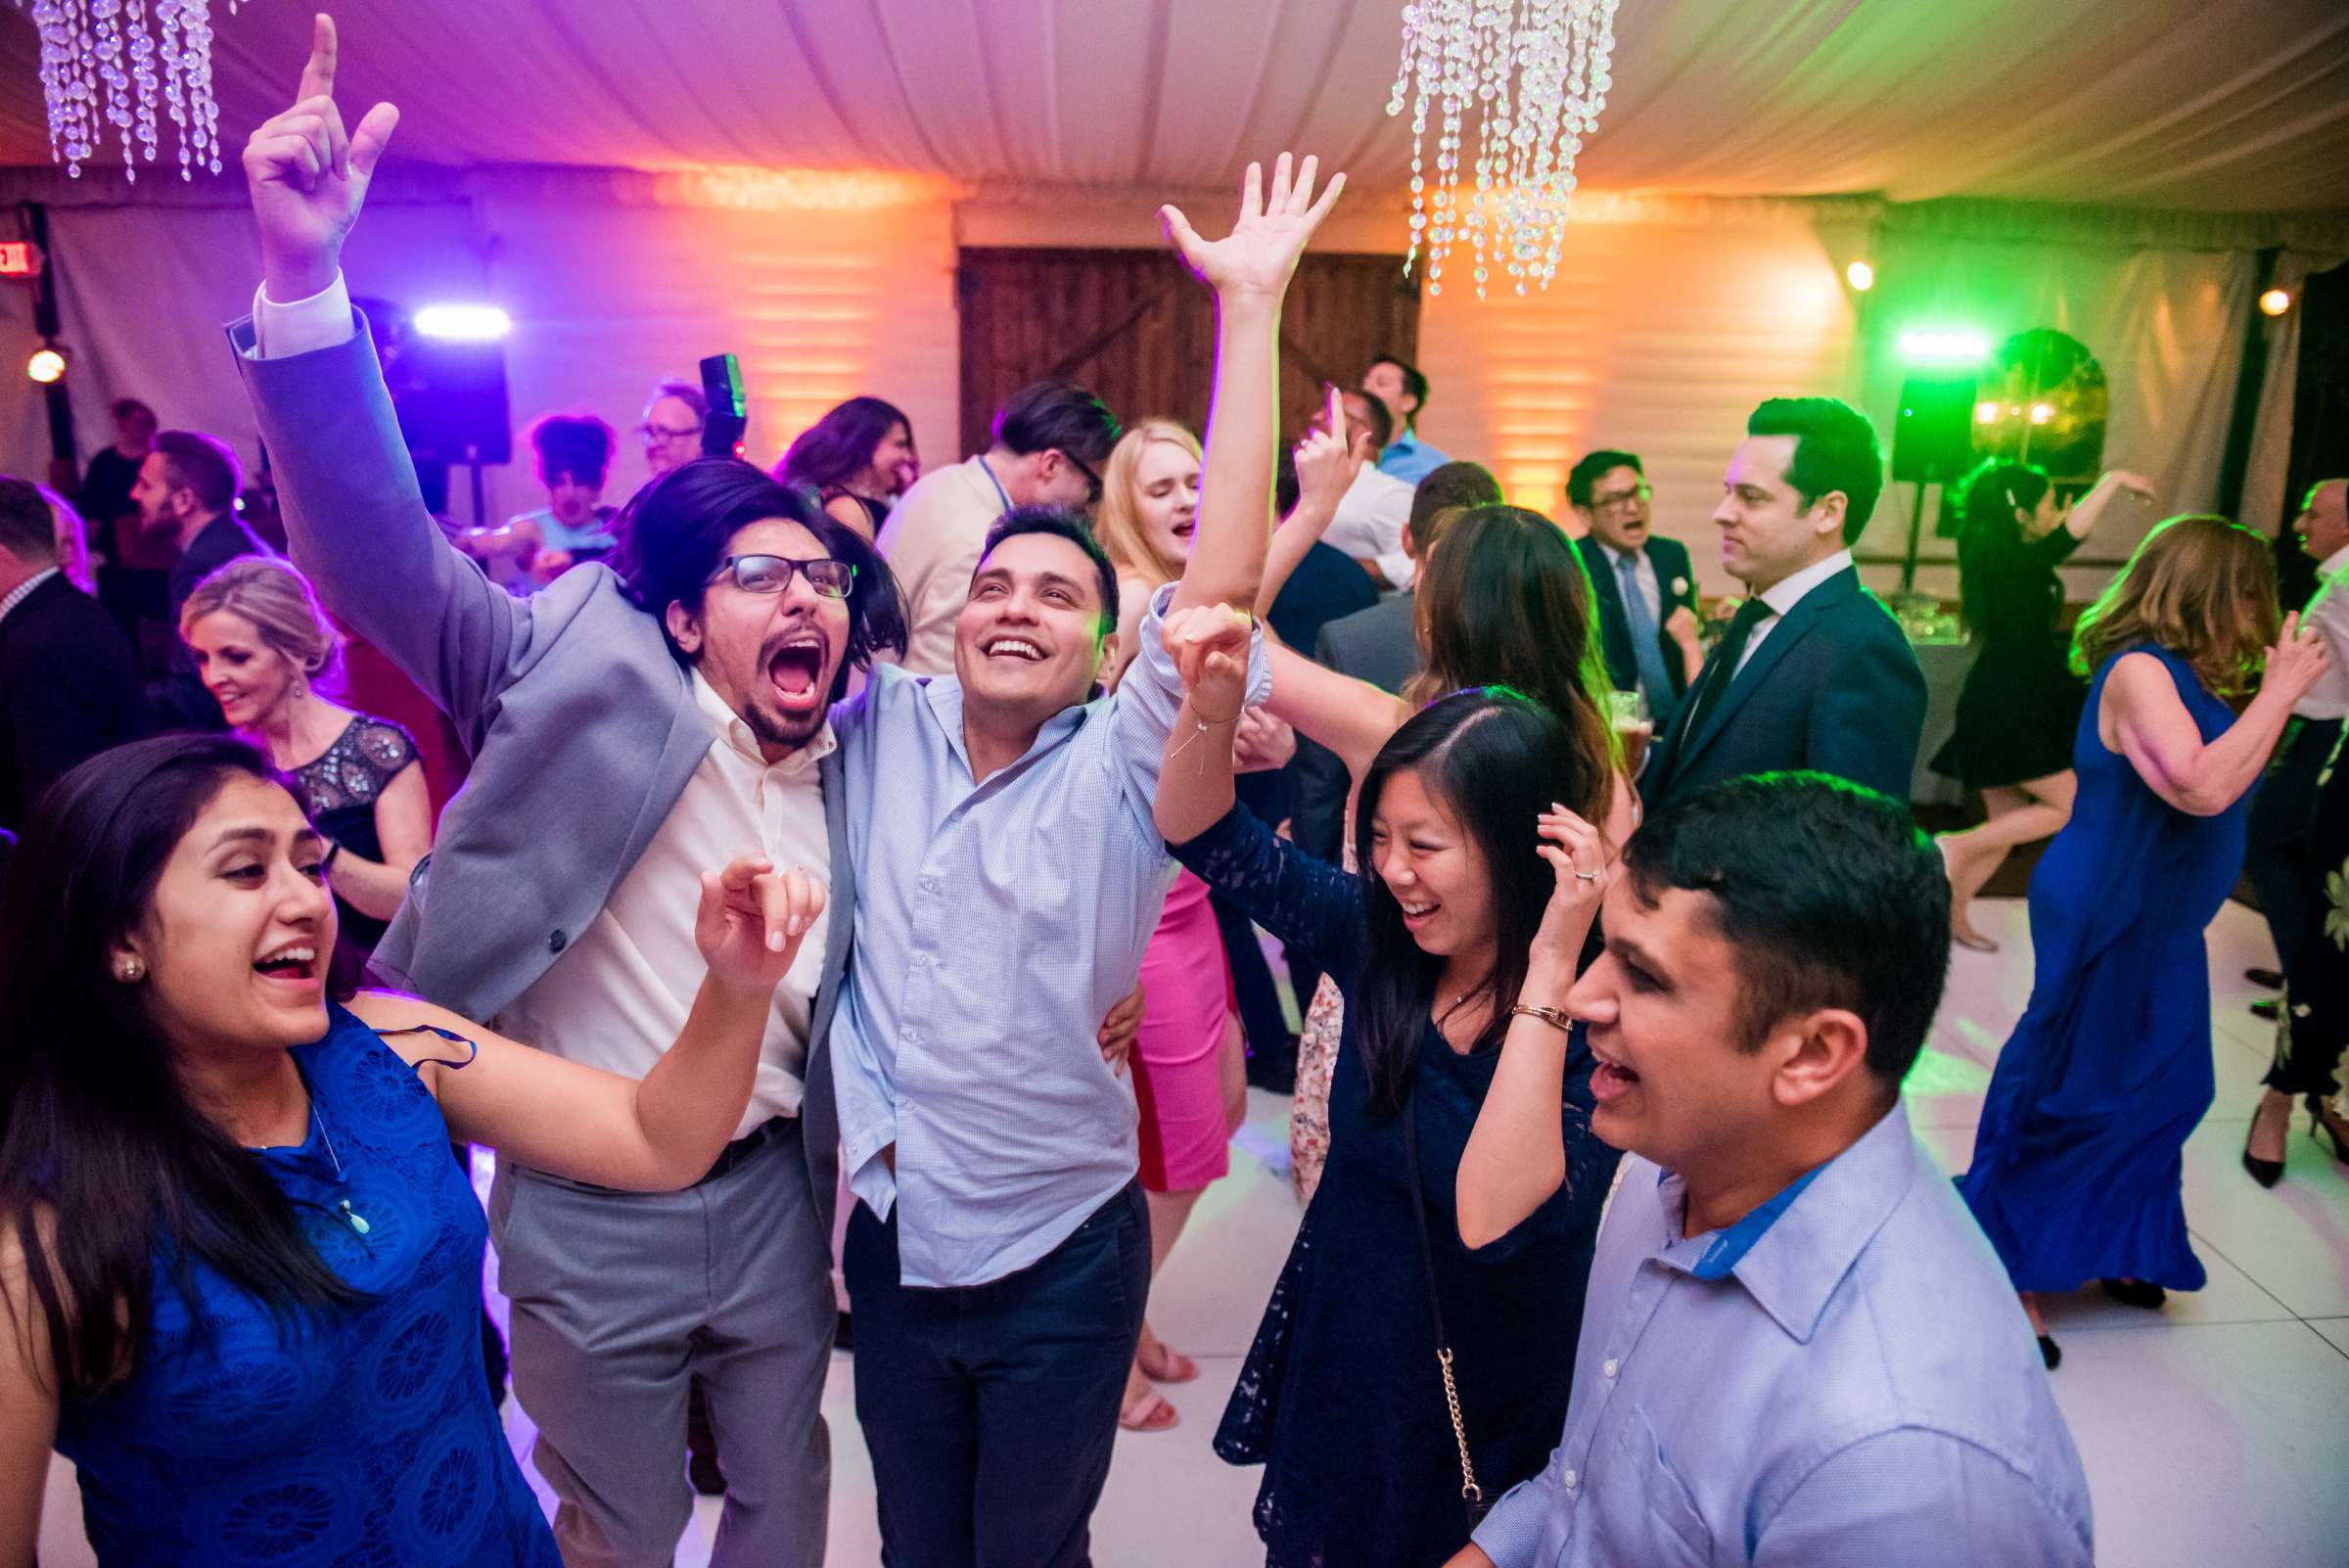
{"x":203,"y":112}
{"x":175,"y":73}
{"x":106,"y":30}
{"x":142,"y":75}
{"x":1537,"y":72}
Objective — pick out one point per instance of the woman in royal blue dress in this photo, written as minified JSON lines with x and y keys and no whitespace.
{"x":2076,"y":1172}
{"x":1342,"y":1398}
{"x":239,"y":1272}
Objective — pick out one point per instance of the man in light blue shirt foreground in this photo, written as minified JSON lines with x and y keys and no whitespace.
{"x":1012,"y":874}
{"x":1799,"y":1349}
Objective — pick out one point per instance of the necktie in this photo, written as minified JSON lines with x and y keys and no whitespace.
{"x":1654,"y":677}
{"x":1722,"y":667}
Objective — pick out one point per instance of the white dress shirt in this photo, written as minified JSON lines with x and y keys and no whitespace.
{"x":2328,"y":612}
{"x":1371,"y":520}
{"x":1785,"y":594}
{"x":1643,"y":572}
{"x":620,"y":993}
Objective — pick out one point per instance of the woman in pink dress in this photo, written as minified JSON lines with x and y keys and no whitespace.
{"x":1189,"y":1074}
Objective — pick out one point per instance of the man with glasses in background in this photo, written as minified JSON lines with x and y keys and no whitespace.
{"x":1048,"y":447}
{"x":1645,"y":589}
{"x":672,"y":431}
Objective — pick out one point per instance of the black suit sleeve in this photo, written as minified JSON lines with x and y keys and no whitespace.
{"x":1868,"y":722}
{"x":62,"y":715}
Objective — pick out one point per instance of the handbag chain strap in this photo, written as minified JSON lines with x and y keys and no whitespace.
{"x":1470,"y":1492}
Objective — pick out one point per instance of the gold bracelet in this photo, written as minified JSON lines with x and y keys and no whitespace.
{"x":1555,"y":1017}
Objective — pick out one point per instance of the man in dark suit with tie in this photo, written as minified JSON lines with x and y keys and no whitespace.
{"x":1813,"y":673}
{"x":68,"y":687}
{"x":1646,"y":592}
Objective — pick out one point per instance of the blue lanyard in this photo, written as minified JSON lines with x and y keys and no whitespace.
{"x":1001,"y":493}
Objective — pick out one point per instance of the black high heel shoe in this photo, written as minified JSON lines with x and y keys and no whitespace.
{"x":2324,"y":1131}
{"x":2050,"y":1352}
{"x":2136,"y":1293}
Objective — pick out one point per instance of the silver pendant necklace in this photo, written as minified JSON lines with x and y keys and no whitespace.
{"x":351,"y":1217}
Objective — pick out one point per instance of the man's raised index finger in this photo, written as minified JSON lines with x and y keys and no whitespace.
{"x":318,"y":75}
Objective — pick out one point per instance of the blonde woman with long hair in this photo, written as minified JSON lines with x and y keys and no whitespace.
{"x":2077,"y":1164}
{"x":262,"y":644}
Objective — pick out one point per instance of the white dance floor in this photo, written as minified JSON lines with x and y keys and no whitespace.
{"x":2215,"y":1431}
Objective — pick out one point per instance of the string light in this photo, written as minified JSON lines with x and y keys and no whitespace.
{"x":1861,"y":276}
{"x":47,"y":366}
{"x":2275,"y":302}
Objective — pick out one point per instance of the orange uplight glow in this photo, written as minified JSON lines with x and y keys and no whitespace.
{"x":811,"y":190}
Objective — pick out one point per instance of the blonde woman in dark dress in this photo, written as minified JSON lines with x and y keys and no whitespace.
{"x":2022,"y":704}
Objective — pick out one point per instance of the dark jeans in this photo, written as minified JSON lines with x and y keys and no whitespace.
{"x":989,"y":1410}
{"x":2276,"y":854}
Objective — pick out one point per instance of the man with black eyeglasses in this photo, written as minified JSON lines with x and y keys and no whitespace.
{"x":1646,"y":591}
{"x":1050,"y":444}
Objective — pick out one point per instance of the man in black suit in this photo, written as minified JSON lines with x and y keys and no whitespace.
{"x":1646,"y":592}
{"x":1813,"y":673}
{"x":1379,"y":645}
{"x":68,"y":687}
{"x":187,"y":489}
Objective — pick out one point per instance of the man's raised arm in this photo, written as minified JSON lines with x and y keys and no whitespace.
{"x":1250,"y":271}
{"x":354,"y":517}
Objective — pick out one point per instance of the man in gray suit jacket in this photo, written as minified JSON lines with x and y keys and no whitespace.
{"x":625,"y":728}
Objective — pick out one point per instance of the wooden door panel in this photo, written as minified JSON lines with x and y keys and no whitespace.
{"x":1138,"y":331}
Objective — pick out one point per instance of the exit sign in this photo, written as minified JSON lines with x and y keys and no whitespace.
{"x":19,"y":258}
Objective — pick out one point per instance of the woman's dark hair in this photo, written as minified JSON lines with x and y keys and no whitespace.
{"x":1504,"y":599}
{"x":1988,"y":499}
{"x":1495,"y":759}
{"x":673,"y":532}
{"x":104,"y":1162}
{"x":579,"y":445}
{"x":838,"y":447}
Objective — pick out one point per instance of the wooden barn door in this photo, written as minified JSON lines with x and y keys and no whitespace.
{"x":1138,"y":331}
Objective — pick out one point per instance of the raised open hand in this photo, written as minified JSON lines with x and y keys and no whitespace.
{"x":1263,"y":248}
{"x":307,"y":178}
{"x":752,"y":920}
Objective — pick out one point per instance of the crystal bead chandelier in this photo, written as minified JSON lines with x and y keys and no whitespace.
{"x":101,"y":64}
{"x":1535,"y":73}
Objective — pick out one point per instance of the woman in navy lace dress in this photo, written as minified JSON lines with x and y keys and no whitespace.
{"x":1342,"y":1399}
{"x":238,"y":1268}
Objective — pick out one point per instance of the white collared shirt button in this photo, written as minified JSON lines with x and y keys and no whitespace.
{"x":1612,"y":1366}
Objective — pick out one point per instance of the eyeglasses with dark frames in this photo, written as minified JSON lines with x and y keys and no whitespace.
{"x":772,"y":574}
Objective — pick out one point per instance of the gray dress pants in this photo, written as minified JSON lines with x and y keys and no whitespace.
{"x":620,"y":1300}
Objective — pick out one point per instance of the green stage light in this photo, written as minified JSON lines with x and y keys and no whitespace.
{"x":1943,"y":345}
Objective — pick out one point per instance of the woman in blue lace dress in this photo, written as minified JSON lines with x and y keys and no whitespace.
{"x":238,"y":1270}
{"x":1343,"y":1398}
{"x":2077,"y":1171}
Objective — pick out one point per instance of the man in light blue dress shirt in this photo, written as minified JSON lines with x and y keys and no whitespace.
{"x":1799,"y":1349}
{"x":1010,"y":876}
{"x":1403,"y":389}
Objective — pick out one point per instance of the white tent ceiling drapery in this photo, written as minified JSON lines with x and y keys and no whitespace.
{"x":2235,"y":106}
